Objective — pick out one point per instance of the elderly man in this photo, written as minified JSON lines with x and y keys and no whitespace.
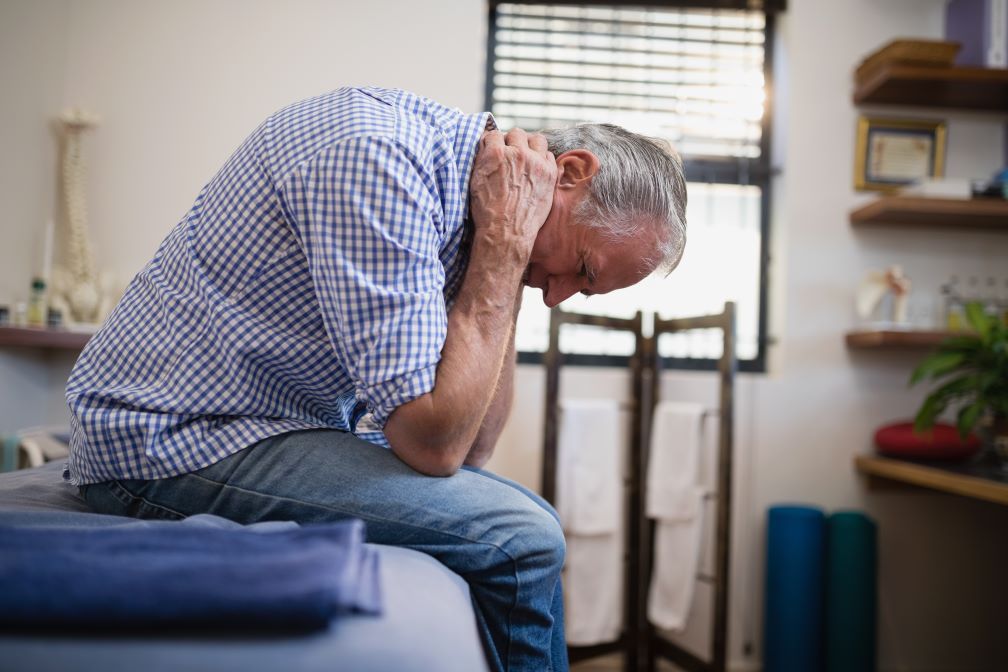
{"x":329,"y":333}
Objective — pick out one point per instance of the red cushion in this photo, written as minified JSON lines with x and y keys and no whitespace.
{"x":940,"y":443}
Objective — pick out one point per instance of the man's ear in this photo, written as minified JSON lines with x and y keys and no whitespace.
{"x":575,"y":167}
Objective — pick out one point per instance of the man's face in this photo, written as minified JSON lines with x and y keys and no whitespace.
{"x":570,"y":257}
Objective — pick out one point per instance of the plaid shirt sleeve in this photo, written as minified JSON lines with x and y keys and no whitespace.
{"x":367,"y":214}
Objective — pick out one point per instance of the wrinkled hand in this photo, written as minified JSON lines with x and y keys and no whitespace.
{"x":511,"y":191}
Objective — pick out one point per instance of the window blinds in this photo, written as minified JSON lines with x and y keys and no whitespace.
{"x":691,"y":76}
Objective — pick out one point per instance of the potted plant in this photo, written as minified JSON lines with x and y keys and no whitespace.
{"x":973,"y":372}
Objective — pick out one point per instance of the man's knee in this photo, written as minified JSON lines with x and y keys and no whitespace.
{"x":541,"y":539}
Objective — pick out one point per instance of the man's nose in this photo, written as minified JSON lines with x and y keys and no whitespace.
{"x":559,"y":290}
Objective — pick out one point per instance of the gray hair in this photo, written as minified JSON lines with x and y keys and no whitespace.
{"x":639,"y":179}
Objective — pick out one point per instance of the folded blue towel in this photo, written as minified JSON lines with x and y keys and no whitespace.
{"x":202,"y":571}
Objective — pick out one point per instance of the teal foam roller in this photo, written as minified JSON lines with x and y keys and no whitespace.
{"x":851,"y":592}
{"x":793,"y":609}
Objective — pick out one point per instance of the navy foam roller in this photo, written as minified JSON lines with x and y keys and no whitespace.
{"x":793,"y":622}
{"x":851,"y":589}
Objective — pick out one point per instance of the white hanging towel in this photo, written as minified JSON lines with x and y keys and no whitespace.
{"x":588,"y":466}
{"x":593,"y":589}
{"x":589,"y":501}
{"x":675,"y":501}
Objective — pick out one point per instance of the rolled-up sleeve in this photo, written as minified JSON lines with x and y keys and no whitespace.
{"x":368,"y":216}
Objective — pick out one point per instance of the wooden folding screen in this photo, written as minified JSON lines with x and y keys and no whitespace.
{"x":640,"y":642}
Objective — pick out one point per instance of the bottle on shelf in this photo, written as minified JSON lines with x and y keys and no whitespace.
{"x":37,"y":304}
{"x":955,"y":312}
{"x":20,"y":314}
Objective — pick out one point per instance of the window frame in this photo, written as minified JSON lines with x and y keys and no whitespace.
{"x":740,"y":171}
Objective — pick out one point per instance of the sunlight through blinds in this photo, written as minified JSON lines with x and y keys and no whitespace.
{"x":693,"y":77}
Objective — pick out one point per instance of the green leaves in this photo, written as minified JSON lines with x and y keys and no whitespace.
{"x":979,"y":320}
{"x":937,"y":365}
{"x":966,"y":344}
{"x":928,"y":413}
{"x":968,"y":416}
{"x":980,"y":384}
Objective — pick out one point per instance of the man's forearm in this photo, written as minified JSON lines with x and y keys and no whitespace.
{"x":510,"y":195}
{"x":434,"y":433}
{"x":498,"y":411}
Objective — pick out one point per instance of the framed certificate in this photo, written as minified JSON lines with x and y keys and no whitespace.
{"x":892,"y":153}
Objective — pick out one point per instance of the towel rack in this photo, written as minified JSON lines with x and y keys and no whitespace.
{"x":640,"y":643}
{"x":656,"y":645}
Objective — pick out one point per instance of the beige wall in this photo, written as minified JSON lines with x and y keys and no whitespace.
{"x":33,"y":59}
{"x":179,"y":84}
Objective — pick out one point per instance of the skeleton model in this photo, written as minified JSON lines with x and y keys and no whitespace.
{"x":77,"y":290}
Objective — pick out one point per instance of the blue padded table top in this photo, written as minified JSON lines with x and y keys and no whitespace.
{"x":40,"y":489}
{"x":427,"y":624}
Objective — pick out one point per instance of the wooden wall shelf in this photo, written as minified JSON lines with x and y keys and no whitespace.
{"x":981,"y":480}
{"x":953,"y":213}
{"x":984,"y":89}
{"x":51,"y":339}
{"x":895,"y":339}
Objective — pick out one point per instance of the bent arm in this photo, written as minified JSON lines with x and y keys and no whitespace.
{"x":433,"y":433}
{"x":511,"y":194}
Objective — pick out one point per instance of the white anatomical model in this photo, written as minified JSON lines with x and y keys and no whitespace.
{"x":874,"y":288}
{"x":77,"y":290}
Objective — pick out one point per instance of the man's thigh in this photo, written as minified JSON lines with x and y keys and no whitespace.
{"x":534,"y":496}
{"x":324,"y":475}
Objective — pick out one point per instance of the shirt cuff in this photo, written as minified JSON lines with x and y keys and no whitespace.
{"x":383,"y":398}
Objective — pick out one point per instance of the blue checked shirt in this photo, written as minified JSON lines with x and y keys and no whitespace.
{"x":308,"y":287}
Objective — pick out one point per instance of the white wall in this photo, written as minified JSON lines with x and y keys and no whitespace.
{"x":32,"y":67}
{"x":179,"y":84}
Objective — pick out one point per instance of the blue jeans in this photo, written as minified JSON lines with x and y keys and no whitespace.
{"x":503,"y":539}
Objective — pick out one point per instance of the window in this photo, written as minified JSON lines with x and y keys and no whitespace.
{"x":695,"y":77}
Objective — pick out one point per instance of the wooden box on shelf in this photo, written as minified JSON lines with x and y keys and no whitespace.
{"x":920,"y":73}
{"x":918,"y":53}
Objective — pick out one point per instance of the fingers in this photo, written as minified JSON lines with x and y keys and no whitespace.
{"x":538,"y":142}
{"x":517,"y":137}
{"x":492,"y":138}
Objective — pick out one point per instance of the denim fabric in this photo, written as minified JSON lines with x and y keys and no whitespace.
{"x":502,"y":539}
{"x":206,"y":572}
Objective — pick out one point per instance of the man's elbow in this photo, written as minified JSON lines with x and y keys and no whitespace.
{"x":426,"y":442}
{"x":430,"y":460}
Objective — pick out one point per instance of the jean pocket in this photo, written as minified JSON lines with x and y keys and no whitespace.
{"x":131,"y":501}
